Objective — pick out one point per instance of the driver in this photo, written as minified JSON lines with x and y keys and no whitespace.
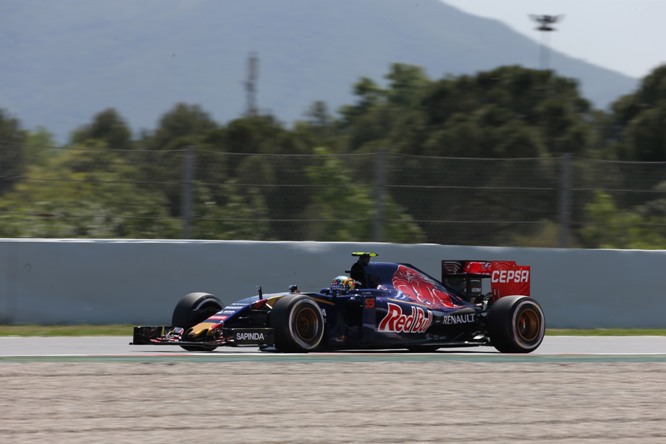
{"x":344,"y":284}
{"x":358,"y":269}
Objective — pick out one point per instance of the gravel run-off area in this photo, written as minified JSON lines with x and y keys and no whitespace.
{"x":323,"y":402}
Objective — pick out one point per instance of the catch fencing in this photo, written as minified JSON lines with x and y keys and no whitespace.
{"x":197,"y":193}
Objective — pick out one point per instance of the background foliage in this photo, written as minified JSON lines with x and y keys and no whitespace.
{"x":459,"y":160}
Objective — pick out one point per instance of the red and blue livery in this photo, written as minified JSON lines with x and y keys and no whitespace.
{"x":378,"y":305}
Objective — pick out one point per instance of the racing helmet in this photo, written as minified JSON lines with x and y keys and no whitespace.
{"x":344,"y":283}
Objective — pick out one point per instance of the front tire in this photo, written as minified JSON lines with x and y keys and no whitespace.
{"x":298,"y":324}
{"x":516,"y":324}
{"x":192,"y":309}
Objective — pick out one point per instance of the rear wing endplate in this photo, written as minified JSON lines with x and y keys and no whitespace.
{"x":506,"y":277}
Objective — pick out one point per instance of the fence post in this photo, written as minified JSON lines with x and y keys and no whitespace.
{"x":565,"y":201}
{"x":188,"y":191}
{"x":380,"y":189}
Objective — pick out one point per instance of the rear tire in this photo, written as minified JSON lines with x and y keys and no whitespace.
{"x":298,"y":324}
{"x":192,"y":309}
{"x":516,"y":324}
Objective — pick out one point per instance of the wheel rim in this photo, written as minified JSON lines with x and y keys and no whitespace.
{"x":306,"y":324}
{"x":528,"y":325}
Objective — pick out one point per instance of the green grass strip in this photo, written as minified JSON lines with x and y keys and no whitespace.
{"x":66,"y":330}
{"x":606,"y":332}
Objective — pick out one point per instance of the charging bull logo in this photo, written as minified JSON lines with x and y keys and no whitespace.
{"x":420,"y":288}
{"x":395,"y":321}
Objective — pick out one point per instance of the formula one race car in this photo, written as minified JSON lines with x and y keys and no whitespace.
{"x":380,"y":305}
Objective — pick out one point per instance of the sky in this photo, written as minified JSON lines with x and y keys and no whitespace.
{"x":627,"y":36}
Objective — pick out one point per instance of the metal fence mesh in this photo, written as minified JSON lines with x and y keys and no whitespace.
{"x":200,"y":193}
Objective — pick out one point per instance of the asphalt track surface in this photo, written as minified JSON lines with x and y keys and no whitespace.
{"x":553,"y":348}
{"x":100,"y":389}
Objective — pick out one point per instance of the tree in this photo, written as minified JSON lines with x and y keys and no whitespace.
{"x":503,"y":113}
{"x":407,"y":84}
{"x":182,"y":125}
{"x":644,"y":138}
{"x":85,"y":193}
{"x":108,"y":127}
{"x":319,"y":128}
{"x":318,"y":115}
{"x":369,"y":95}
{"x":243,"y":214}
{"x":260,"y":134}
{"x":12,"y":151}
{"x":271,"y":160}
{"x":638,"y":120}
{"x":607,"y":226}
{"x":382,"y":116}
{"x":490,"y":131}
{"x":164,"y":159}
{"x":40,"y":147}
{"x":548,"y":106}
{"x":635,"y":132}
{"x":343,"y":210}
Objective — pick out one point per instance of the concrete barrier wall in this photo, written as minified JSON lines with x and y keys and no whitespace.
{"x":139,"y":282}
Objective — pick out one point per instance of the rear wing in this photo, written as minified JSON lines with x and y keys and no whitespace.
{"x":506,"y":277}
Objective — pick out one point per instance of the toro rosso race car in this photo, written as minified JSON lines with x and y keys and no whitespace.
{"x":380,"y":305}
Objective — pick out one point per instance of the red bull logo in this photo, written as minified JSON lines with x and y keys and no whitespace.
{"x":396,"y":321}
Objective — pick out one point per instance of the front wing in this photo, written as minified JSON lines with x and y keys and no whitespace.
{"x":167,"y":335}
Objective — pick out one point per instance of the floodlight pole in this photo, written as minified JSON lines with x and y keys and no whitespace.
{"x":546,"y":23}
{"x":251,"y":84}
{"x":546,"y":26}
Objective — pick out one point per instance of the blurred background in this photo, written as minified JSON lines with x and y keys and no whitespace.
{"x":331,"y":120}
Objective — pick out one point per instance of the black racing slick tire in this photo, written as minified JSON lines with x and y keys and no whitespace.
{"x":192,"y":309}
{"x":298,"y":324}
{"x":516,"y":324}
